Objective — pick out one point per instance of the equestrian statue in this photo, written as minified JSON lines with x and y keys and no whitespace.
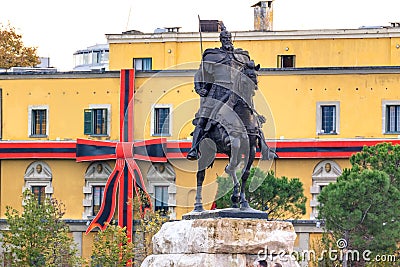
{"x":226,"y":82}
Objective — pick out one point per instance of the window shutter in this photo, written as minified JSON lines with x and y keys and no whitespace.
{"x":87,"y":125}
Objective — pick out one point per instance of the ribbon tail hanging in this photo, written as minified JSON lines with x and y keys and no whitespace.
{"x":143,"y":197}
{"x":109,"y":202}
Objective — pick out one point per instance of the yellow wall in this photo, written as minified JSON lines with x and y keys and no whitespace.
{"x":182,"y":56}
{"x":288,"y":101}
{"x":291,"y":168}
{"x":159,"y":89}
{"x":321,"y":52}
{"x":293,"y":99}
{"x":309,"y":51}
{"x":66,"y":174}
{"x":302,"y":169}
{"x":66,"y":99}
{"x":87,"y":244}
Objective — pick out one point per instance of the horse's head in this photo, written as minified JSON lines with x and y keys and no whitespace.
{"x":250,"y":70}
{"x":247,"y":82}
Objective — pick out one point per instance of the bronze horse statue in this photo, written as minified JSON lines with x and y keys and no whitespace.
{"x":234,"y":128}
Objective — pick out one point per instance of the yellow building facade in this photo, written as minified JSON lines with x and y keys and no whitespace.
{"x":352,"y":74}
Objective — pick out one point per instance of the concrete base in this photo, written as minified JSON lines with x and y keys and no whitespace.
{"x":226,"y":213}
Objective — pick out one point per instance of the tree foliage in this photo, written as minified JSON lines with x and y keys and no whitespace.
{"x":13,"y":53}
{"x":112,"y":247}
{"x":147,"y":228}
{"x":383,"y":157}
{"x":282,"y":198}
{"x":38,"y":236}
{"x":363,"y":205}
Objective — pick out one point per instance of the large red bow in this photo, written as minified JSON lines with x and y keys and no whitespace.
{"x":126,"y":175}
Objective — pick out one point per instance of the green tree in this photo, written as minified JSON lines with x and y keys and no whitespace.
{"x":282,"y":198}
{"x":38,"y":236}
{"x":112,"y":247}
{"x":362,"y":207}
{"x":13,"y":53}
{"x":147,"y":228}
{"x":383,"y":157}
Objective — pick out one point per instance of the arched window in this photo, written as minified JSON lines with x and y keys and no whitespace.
{"x":162,"y":188}
{"x":95,"y":180}
{"x":325,"y":172}
{"x":38,"y":178}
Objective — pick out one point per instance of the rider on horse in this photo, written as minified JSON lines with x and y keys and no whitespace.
{"x":214,"y":82}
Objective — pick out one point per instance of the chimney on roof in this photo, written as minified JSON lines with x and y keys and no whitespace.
{"x":263,"y":15}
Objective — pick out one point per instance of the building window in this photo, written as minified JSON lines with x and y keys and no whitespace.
{"x":96,"y":177}
{"x":286,"y":61}
{"x":39,"y":193}
{"x":328,"y":118}
{"x":97,"y":191}
{"x":38,"y":179}
{"x":38,"y":121}
{"x":142,"y":63}
{"x":162,"y":188}
{"x":96,"y":120}
{"x":161,"y":120}
{"x":161,"y":198}
{"x":391,"y":117}
{"x":324,"y":173}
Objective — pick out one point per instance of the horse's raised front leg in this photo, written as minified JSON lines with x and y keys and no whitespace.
{"x":198,"y":205}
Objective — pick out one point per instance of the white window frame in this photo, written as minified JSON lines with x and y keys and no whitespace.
{"x":386,"y":103}
{"x":93,"y":178}
{"x":281,"y":58}
{"x":321,"y":177}
{"x":319,"y":116}
{"x":152,"y":120}
{"x":103,"y":106}
{"x":37,"y":107}
{"x":166,"y":177}
{"x":33,"y":178}
{"x":140,"y":68}
{"x":154,"y":187}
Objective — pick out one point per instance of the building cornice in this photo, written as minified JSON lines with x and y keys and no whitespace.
{"x":60,"y":75}
{"x":191,"y":72}
{"x":362,"y":33}
{"x":283,"y":71}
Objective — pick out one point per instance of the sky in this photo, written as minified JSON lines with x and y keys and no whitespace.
{"x":59,"y":28}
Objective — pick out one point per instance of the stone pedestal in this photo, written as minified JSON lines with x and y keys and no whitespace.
{"x":214,"y":242}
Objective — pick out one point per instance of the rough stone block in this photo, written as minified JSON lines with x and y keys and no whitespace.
{"x":223,"y":236}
